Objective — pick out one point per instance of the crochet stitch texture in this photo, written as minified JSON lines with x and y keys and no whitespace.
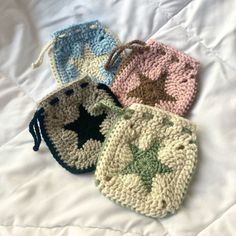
{"x":82,"y":50}
{"x":161,"y":76}
{"x":70,"y":125}
{"x":147,"y":160}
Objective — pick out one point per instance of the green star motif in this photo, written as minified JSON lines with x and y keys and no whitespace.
{"x":145,"y":163}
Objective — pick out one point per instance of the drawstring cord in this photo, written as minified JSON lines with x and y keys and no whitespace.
{"x":135,"y":45}
{"x":35,"y":131}
{"x":34,"y":126}
{"x":40,"y":58}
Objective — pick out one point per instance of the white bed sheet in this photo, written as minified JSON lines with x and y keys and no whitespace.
{"x":38,"y":197}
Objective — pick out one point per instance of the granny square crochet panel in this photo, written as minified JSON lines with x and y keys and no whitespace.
{"x":71,"y":126}
{"x":159,"y":76}
{"x":147,"y":160}
{"x":81,"y":50}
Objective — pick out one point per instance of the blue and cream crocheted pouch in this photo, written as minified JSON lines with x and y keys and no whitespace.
{"x":81,"y":50}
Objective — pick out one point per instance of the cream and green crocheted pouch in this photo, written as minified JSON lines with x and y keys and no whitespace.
{"x":147,"y":161}
{"x":70,"y":125}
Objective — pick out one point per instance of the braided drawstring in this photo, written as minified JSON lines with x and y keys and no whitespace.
{"x":35,"y":131}
{"x":45,"y":49}
{"x":135,"y":45}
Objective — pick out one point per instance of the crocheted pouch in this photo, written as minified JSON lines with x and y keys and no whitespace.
{"x":156,"y":75}
{"x":147,"y":160}
{"x":81,"y":50}
{"x":71,"y":128}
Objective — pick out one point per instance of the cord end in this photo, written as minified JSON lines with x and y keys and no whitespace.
{"x":35,"y":148}
{"x":35,"y":65}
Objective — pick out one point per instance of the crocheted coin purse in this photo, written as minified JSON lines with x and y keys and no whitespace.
{"x":81,"y":50}
{"x":147,"y":160}
{"x":72,"y":129}
{"x":156,"y":75}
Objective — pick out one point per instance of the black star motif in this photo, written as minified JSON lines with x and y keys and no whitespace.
{"x":86,"y":126}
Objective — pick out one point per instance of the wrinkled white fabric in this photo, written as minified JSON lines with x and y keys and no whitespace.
{"x":38,"y":197}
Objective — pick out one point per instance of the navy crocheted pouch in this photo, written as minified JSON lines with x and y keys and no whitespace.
{"x":71,"y":126}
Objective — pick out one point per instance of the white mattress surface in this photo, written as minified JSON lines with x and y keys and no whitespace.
{"x":38,"y":197}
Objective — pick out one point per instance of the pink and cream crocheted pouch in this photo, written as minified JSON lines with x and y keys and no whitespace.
{"x":158,"y":76}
